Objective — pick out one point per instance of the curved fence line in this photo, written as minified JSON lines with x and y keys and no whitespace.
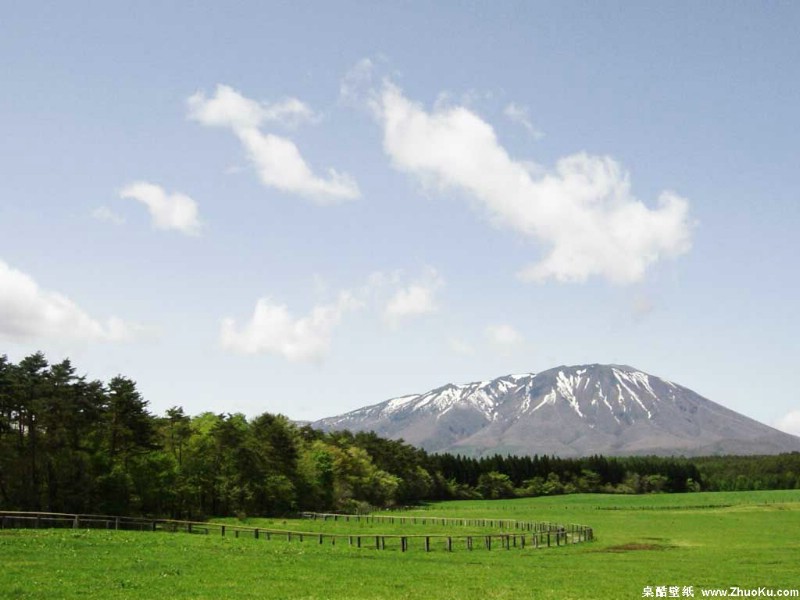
{"x":445,"y":521}
{"x":525,"y":534}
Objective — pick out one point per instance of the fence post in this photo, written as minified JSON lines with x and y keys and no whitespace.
{"x":255,"y":533}
{"x":449,"y":544}
{"x":427,"y":544}
{"x":222,"y":530}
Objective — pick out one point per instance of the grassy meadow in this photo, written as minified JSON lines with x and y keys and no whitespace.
{"x":703,"y":540}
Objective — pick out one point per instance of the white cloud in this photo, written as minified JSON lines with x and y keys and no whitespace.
{"x":168,"y":211}
{"x":273,"y":330}
{"x":582,"y":210}
{"x":503,"y":335}
{"x":103,"y":213}
{"x":277,"y":159}
{"x":228,"y":108}
{"x":519,"y":114}
{"x":460,"y":347}
{"x":790,"y":422}
{"x":411,"y":301}
{"x":280,"y":165}
{"x":290,"y":112}
{"x":415,"y":299}
{"x":354,"y":88}
{"x":28,"y":312}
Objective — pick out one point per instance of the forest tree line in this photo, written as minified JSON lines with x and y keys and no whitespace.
{"x":69,"y":444}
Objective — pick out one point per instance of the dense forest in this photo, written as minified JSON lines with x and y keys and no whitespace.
{"x":68,"y":444}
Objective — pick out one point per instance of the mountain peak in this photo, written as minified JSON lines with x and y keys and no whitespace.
{"x":567,"y":411}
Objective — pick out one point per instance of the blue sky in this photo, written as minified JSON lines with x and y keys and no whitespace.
{"x":306,"y":208}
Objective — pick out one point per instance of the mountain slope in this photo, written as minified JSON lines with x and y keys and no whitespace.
{"x":567,"y":411}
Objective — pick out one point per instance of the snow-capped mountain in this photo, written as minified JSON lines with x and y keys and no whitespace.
{"x":567,"y":411}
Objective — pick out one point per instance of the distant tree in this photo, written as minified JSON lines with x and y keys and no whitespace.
{"x":130,"y":428}
{"x":589,"y":481}
{"x":494,"y":485}
{"x":316,"y":471}
{"x":552,"y":485}
{"x":29,"y":393}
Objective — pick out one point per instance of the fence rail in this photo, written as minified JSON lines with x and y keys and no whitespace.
{"x":514,"y":534}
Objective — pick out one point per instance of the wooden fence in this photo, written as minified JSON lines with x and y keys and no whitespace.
{"x":514,"y":534}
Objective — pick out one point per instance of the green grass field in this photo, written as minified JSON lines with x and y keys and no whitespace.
{"x":703,"y":540}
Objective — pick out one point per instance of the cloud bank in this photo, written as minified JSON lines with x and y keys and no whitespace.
{"x":29,"y":313}
{"x":415,"y":299}
{"x":273,"y":330}
{"x":277,"y":159}
{"x":174,"y":211}
{"x":582,"y":210}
